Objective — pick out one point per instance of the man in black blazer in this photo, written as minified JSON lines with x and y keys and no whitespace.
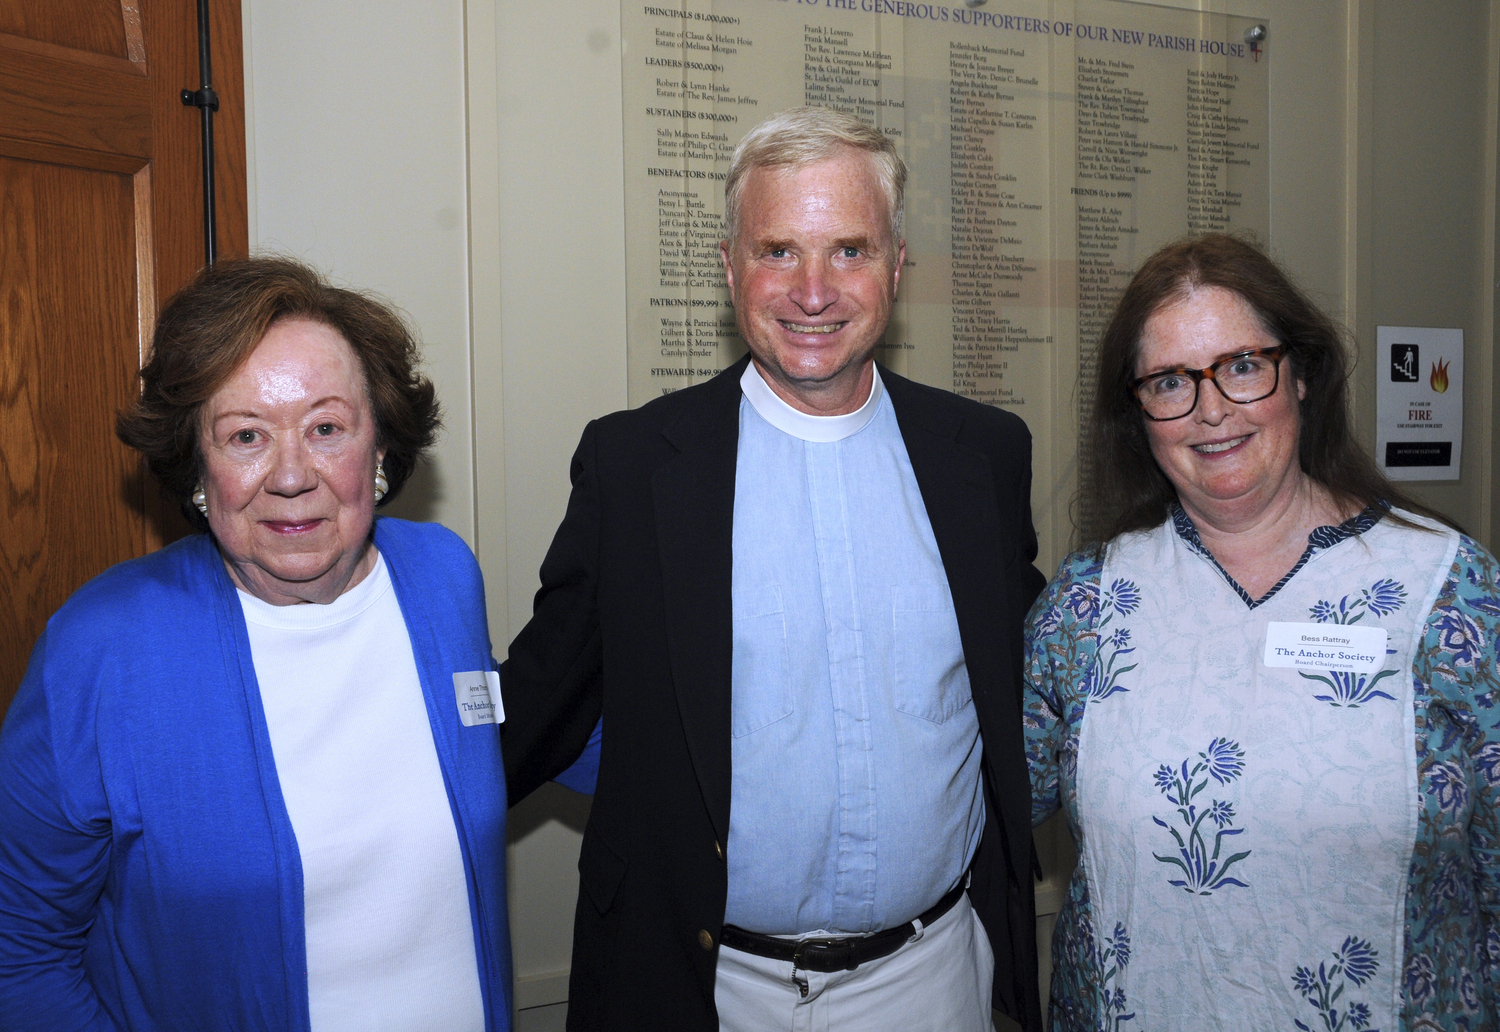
{"x":726,"y":712}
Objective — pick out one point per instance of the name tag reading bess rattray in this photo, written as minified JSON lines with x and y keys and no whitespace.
{"x":1325,"y":646}
{"x":478,"y":695}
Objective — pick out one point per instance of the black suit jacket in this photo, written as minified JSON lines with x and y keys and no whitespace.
{"x":634,"y":619}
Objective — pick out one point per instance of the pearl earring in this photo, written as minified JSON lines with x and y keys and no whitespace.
{"x":200,"y":499}
{"x":382,"y":485}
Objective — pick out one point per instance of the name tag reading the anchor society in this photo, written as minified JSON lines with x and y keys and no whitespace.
{"x":1325,"y":646}
{"x":477,"y":693}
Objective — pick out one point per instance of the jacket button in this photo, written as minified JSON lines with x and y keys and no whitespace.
{"x":718,"y":849}
{"x":705,"y":940}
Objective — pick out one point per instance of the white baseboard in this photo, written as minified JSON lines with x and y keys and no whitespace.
{"x":542,"y":990}
{"x":1050,"y":895}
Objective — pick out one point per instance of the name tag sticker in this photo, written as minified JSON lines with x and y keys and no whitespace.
{"x":477,"y":693}
{"x":1324,"y":646}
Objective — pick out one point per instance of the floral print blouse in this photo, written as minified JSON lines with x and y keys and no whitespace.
{"x":1078,"y":654}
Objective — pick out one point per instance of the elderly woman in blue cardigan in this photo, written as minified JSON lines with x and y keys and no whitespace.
{"x":254,"y":780}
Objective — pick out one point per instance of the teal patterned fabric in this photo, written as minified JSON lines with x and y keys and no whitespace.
{"x":1452,"y":915}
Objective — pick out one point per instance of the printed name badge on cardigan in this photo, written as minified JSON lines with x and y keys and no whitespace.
{"x":477,"y":693}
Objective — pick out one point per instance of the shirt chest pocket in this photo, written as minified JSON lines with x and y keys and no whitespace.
{"x":761,"y":691}
{"x":927,"y":656}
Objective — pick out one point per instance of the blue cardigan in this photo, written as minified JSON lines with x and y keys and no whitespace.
{"x":149,"y":877}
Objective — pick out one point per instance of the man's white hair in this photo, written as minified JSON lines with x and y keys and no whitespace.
{"x":802,"y":136}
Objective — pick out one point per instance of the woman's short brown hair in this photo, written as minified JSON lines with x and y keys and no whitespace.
{"x":1128,"y":490}
{"x":211,"y":326}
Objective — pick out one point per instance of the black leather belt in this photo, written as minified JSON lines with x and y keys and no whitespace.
{"x":842,"y":954}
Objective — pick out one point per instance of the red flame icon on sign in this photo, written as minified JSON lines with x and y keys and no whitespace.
{"x":1439,"y":377}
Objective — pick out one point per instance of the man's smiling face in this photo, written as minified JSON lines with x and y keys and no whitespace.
{"x":813,"y":274}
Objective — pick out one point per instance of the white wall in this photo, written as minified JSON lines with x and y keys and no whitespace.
{"x":1432,"y":188}
{"x":357,"y":144}
{"x":549,"y":329}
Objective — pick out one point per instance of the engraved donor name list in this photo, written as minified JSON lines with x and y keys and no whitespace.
{"x":1051,"y":148}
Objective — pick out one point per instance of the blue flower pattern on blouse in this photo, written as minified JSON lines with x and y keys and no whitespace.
{"x":1086,"y":603}
{"x":1111,"y":957}
{"x":1103,"y":679}
{"x":1354,"y":963}
{"x":1451,"y":924}
{"x":1202,"y":871}
{"x":1350,"y":689}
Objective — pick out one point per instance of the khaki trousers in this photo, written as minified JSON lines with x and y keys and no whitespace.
{"x":940,"y":980}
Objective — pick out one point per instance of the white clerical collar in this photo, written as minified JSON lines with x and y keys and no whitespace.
{"x":803,"y":425}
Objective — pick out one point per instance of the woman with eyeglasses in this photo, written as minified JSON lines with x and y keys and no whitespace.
{"x":1266,"y":699}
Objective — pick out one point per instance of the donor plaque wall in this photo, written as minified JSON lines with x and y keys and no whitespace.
{"x":1052,"y":146}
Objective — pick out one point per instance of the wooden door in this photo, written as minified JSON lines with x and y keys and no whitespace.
{"x":100,"y":220}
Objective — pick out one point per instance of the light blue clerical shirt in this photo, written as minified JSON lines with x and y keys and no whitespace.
{"x":855,"y":801}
